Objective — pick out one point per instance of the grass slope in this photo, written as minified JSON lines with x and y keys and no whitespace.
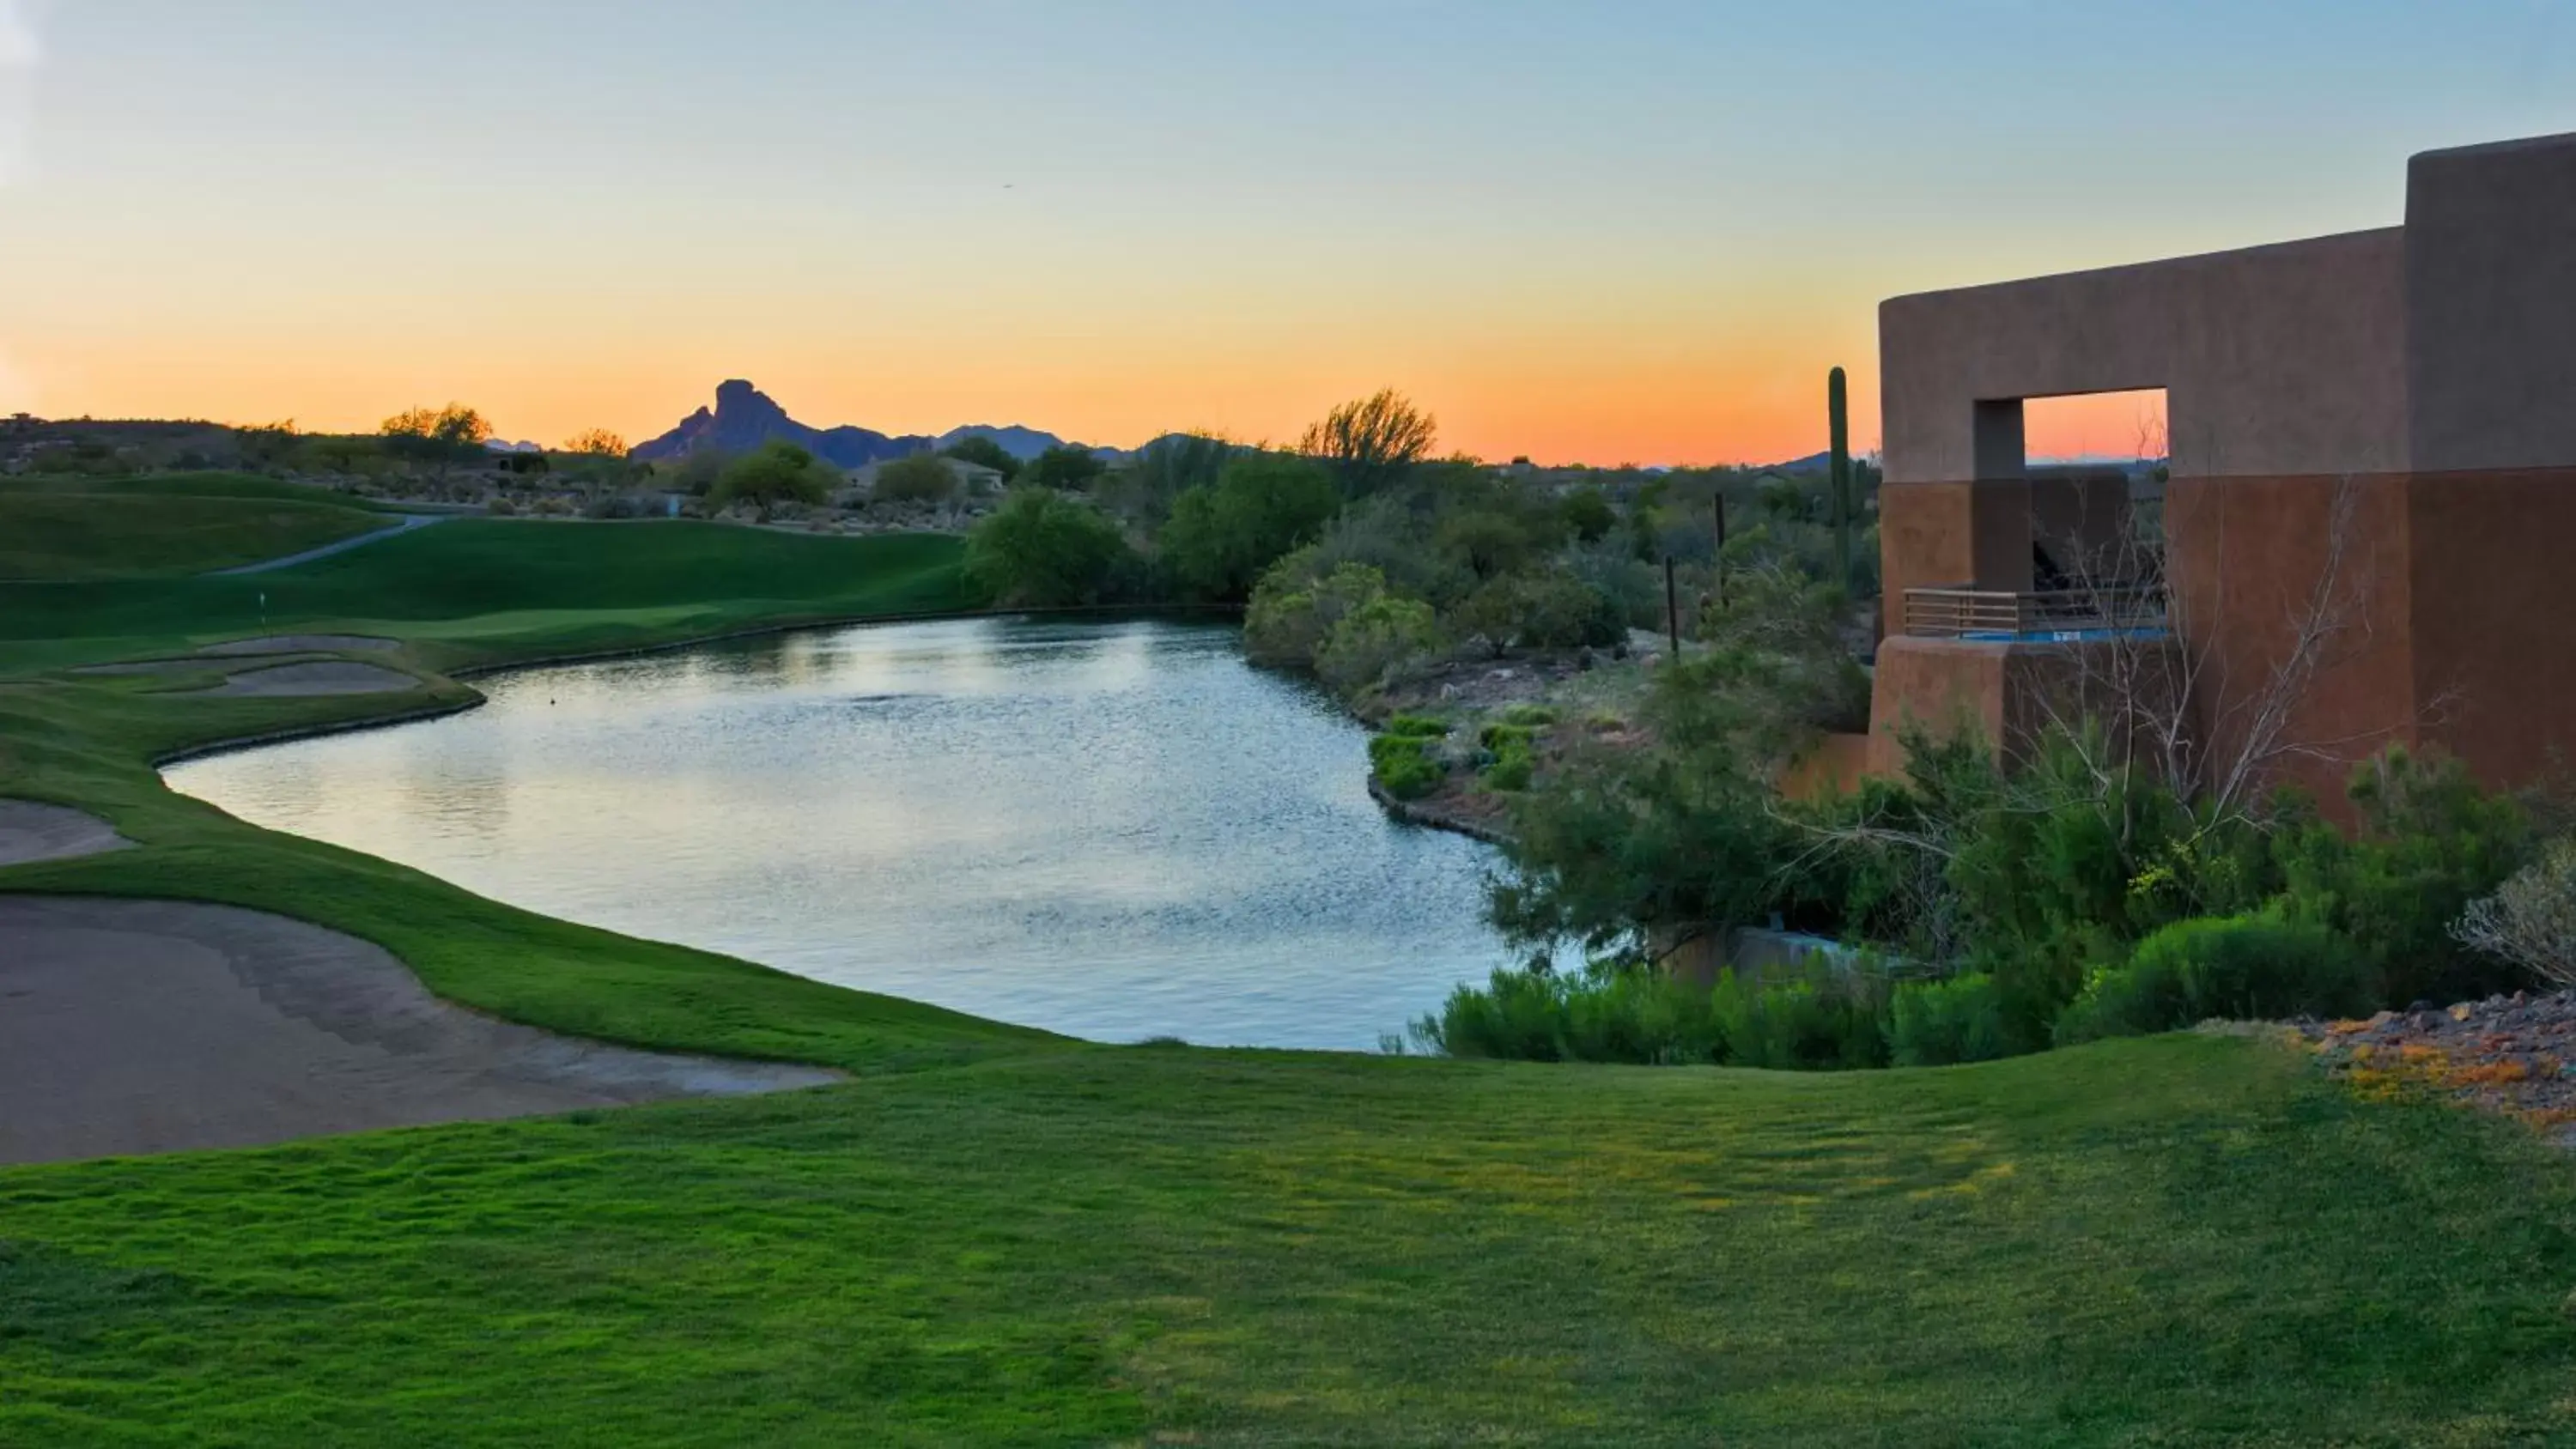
{"x":479,"y":591}
{"x":97,"y":535}
{"x":996,"y":1236}
{"x":2185,"y":1240}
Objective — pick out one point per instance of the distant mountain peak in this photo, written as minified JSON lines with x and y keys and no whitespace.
{"x":744,"y":417}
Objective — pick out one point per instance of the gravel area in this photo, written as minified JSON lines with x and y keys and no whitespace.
{"x":2512,"y":1054}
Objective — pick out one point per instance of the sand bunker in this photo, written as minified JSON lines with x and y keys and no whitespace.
{"x":161,"y":1026}
{"x":31,"y":832}
{"x":331,"y":676}
{"x":156,"y":666}
{"x":300,"y":644}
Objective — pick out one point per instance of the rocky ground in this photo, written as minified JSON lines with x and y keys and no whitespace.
{"x":2512,"y":1054}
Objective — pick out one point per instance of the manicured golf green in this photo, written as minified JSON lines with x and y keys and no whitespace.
{"x":993,"y":1236}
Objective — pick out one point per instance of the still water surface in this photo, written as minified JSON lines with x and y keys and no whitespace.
{"x":1111,"y":830}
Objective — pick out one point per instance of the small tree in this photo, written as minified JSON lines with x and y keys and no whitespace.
{"x":921,"y":478}
{"x":596,"y":443}
{"x":266,"y":445}
{"x":1041,"y":549}
{"x":983,"y":451}
{"x":1065,"y":466}
{"x":1371,"y":444}
{"x":776,"y":472}
{"x":441,"y":437}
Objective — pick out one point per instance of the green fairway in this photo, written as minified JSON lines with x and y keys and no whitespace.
{"x":994,"y":1235}
{"x":484,"y":590}
{"x":138,"y":535}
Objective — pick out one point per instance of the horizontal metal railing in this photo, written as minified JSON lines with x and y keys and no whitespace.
{"x":1959,"y":613}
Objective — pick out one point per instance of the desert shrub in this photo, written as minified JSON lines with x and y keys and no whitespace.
{"x":1635,"y":588}
{"x":1937,"y":1023}
{"x":1161,"y":471}
{"x":1422,"y":726}
{"x":1609,"y":1012}
{"x":2239,"y":967}
{"x":1291,"y":615}
{"x":1222,"y":537}
{"x":984,"y":452}
{"x":1824,"y":1021}
{"x":1374,"y":639}
{"x":1388,"y":534}
{"x":1405,"y":765}
{"x":2431,"y":842}
{"x":500,"y":507}
{"x":1041,"y":549}
{"x":921,"y":478}
{"x":2530,"y":920}
{"x":1064,"y":466}
{"x":1551,"y":610}
{"x":771,"y":474}
{"x":618,"y":506}
{"x":1512,"y":765}
{"x":1588,"y":512}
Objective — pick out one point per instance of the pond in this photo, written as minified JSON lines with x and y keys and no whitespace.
{"x":1113,"y":830}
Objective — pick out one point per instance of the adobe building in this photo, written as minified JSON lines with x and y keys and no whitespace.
{"x":2419,"y":380}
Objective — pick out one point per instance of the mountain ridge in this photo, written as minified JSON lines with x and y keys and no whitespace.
{"x":744,"y":417}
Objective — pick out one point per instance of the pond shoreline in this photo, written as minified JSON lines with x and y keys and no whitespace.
{"x":1019,"y":788}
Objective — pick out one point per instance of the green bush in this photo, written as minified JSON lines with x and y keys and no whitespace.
{"x":2244,"y":968}
{"x":1937,"y":1023}
{"x":774,"y":473}
{"x":1500,"y":736}
{"x":1511,"y":767}
{"x":1405,"y":765}
{"x":1424,"y":726}
{"x":1609,"y":1012}
{"x":2431,"y":842}
{"x":1222,"y":537}
{"x":921,"y":478}
{"x":1824,"y":1022}
{"x":1373,"y":640}
{"x":1529,"y":716}
{"x":1292,"y":613}
{"x":1041,"y":549}
{"x":1552,"y":610}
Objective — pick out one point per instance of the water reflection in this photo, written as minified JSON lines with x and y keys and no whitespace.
{"x":1110,"y":830}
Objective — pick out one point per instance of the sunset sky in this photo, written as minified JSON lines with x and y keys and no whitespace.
{"x":1597,"y":232}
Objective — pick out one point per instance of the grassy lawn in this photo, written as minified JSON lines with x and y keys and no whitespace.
{"x":93,"y":536}
{"x":997,"y":1236}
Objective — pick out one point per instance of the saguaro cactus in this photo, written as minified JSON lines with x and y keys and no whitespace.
{"x":1838,"y":417}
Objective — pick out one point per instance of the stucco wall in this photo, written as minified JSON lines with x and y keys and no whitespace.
{"x":2491,"y":277}
{"x":2275,"y":359}
{"x":2246,"y":567}
{"x":2492,"y":585}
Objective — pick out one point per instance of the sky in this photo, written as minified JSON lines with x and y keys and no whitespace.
{"x":1611,"y":231}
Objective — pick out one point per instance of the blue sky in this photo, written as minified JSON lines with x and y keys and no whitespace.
{"x":1610,"y":231}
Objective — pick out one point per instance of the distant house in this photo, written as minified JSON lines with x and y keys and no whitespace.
{"x":973,"y":479}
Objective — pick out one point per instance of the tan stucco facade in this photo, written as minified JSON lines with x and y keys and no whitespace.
{"x":2424,"y":373}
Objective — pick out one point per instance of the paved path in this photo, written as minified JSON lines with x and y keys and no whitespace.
{"x":409,"y":522}
{"x":159,"y":1026}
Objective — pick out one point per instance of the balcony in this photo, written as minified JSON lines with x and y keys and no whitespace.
{"x":2059,"y":616}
